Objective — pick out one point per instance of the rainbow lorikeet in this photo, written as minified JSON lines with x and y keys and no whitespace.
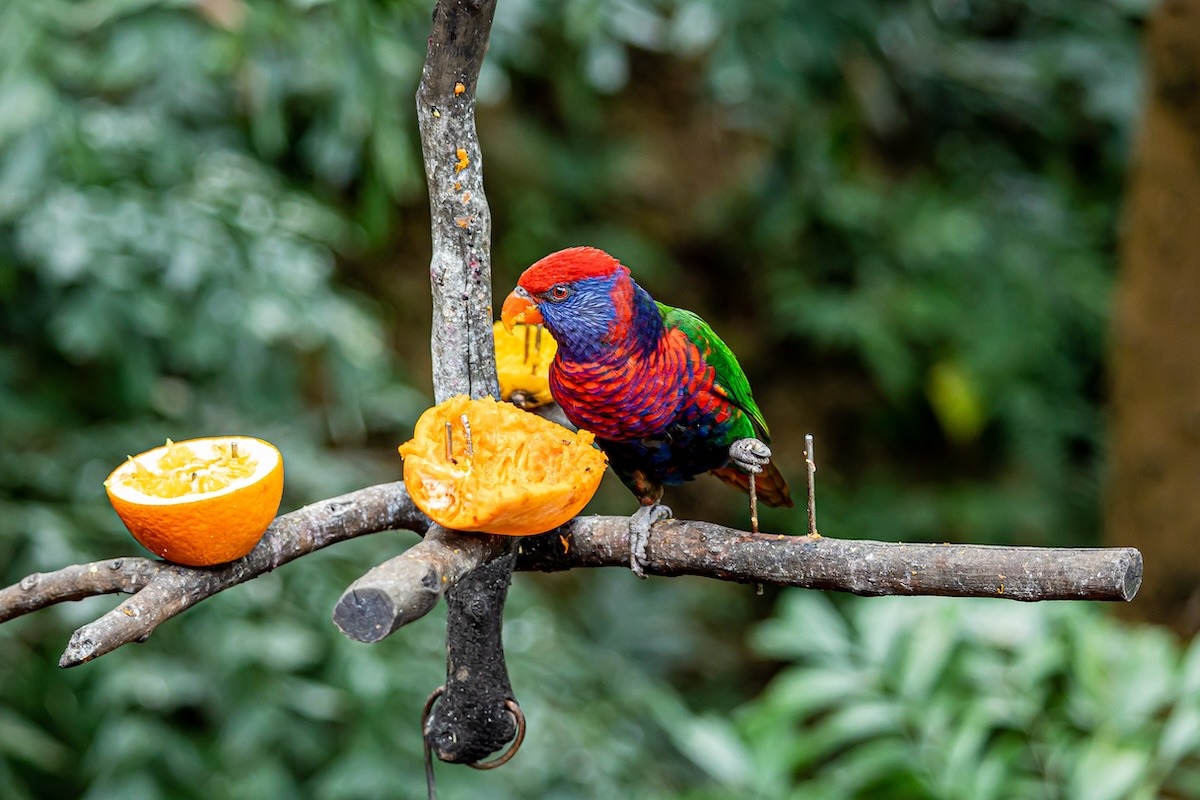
{"x":665,"y":397}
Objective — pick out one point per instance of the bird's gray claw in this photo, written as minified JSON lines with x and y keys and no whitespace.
{"x":639,"y":534}
{"x":749,"y":455}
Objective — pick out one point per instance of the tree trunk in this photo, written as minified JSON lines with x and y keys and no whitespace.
{"x":1154,"y":490}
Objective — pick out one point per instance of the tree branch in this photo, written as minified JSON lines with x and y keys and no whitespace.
{"x":464,"y":727}
{"x":857,"y":566}
{"x":161,"y":590}
{"x":472,"y":709}
{"x":408,"y":586}
{"x":460,"y":270}
{"x":678,"y":547}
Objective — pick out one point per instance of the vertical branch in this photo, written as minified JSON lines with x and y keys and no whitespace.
{"x":460,"y":271}
{"x":812,"y":484}
{"x":472,"y":718}
{"x":466,"y":726}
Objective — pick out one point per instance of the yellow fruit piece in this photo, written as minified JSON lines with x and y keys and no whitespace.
{"x":199,"y":502}
{"x":505,"y":471}
{"x":523,"y":364}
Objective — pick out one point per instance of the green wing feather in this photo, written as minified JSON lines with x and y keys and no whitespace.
{"x":730,"y":377}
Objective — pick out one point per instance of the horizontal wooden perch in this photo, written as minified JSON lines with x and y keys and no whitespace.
{"x":858,"y":566}
{"x":408,"y":586}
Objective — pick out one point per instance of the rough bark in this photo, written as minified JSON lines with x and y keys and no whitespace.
{"x":1153,"y":495}
{"x":460,"y":271}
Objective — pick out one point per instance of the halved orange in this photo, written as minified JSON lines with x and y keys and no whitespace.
{"x":199,"y":502}
{"x":523,"y":364}
{"x":504,"y":471}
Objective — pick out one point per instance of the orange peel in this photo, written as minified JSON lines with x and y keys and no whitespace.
{"x":199,"y":502}
{"x":505,"y":471}
{"x":523,"y":364}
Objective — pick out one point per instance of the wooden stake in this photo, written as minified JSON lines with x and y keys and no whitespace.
{"x":812,"y":485}
{"x":753,"y":505}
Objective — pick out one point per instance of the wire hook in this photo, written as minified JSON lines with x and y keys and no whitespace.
{"x":518,"y":720}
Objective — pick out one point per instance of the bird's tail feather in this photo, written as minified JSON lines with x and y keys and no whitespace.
{"x":769,"y":484}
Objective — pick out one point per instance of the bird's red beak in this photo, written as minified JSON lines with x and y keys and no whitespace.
{"x":519,"y":308}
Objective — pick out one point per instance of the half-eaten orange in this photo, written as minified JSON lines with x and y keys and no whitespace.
{"x":483,"y":465}
{"x":523,"y":364}
{"x":199,"y":502}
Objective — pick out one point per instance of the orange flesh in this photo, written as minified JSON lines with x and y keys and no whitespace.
{"x":180,"y":471}
{"x":200,"y":502}
{"x":519,"y":475}
{"x":523,"y":363}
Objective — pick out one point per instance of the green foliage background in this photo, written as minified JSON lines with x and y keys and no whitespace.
{"x":902,"y":217}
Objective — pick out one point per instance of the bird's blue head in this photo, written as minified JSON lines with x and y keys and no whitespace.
{"x":586,"y":300}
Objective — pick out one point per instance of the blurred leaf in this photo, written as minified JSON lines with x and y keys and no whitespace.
{"x":956,"y":401}
{"x":21,"y":739}
{"x":808,"y":625}
{"x":1106,"y":773}
{"x":997,"y":711}
{"x":1180,"y":735}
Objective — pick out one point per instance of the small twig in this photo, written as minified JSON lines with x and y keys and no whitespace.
{"x":753,"y":504}
{"x":450,"y":442}
{"x":812,"y":485}
{"x":115,"y":576}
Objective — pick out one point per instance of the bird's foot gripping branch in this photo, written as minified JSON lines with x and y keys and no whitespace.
{"x":640,"y":524}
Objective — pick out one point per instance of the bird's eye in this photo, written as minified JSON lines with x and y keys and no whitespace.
{"x":559,"y":292}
